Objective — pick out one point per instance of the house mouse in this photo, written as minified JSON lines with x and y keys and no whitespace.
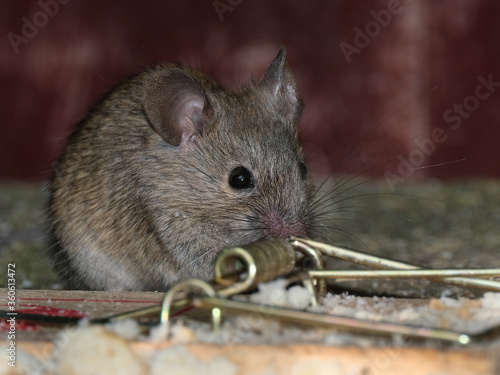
{"x":169,"y":168}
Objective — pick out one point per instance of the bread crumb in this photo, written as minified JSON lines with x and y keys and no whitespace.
{"x":298,"y":297}
{"x":271,"y":293}
{"x":275,"y":293}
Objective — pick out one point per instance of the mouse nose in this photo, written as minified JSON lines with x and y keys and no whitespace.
{"x":277,"y":224}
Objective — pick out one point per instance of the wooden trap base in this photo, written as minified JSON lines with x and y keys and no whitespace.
{"x":36,"y":342}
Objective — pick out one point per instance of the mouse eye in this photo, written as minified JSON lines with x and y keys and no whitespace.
{"x":241,"y":178}
{"x":302,"y":170}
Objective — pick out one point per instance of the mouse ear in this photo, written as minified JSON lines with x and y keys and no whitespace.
{"x":282,"y":87}
{"x":174,"y":103}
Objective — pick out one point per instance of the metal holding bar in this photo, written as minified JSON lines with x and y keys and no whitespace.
{"x":307,"y":282}
{"x":316,"y":256}
{"x":383,"y":263}
{"x":304,"y":317}
{"x":182,"y":286}
{"x":431,"y":274}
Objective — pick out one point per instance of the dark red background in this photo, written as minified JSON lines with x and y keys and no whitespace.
{"x":362,"y":116}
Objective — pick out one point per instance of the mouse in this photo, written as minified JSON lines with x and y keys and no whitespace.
{"x":171,"y":167}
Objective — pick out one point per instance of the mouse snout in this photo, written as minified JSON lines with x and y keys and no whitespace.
{"x":277,"y":224}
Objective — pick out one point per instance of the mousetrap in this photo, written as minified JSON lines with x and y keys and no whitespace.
{"x":349,"y":332}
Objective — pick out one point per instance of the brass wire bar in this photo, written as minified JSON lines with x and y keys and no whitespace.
{"x":402,"y":274}
{"x":307,"y":283}
{"x":383,"y":263}
{"x":182,"y":286}
{"x":218,"y":304}
{"x":319,"y":263}
{"x":303,"y":317}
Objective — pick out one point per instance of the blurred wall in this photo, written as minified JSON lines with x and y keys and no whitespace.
{"x":392,"y":88}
